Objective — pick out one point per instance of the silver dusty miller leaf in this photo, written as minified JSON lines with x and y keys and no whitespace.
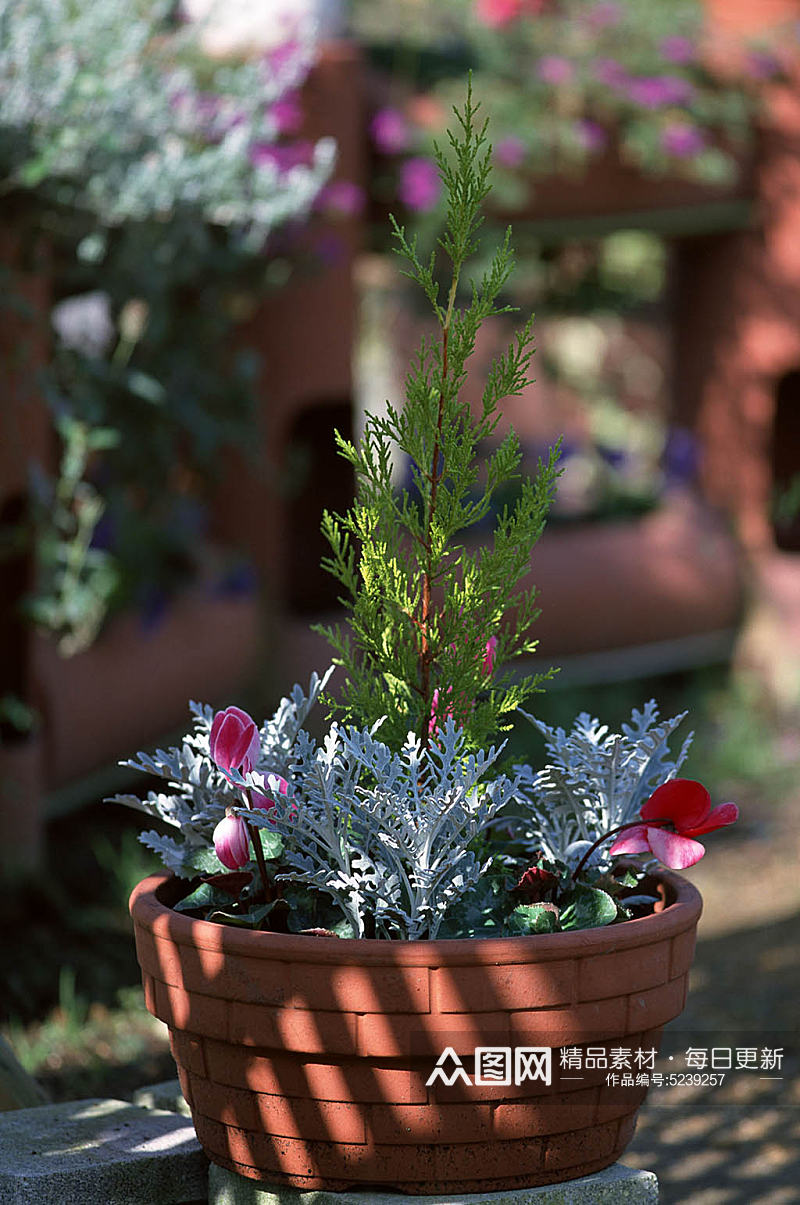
{"x":596,"y":780}
{"x":388,"y":834}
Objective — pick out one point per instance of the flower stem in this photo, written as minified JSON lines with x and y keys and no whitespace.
{"x":620,"y":828}
{"x":255,"y":838}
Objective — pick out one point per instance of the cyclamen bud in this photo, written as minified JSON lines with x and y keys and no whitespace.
{"x":232,"y":842}
{"x":489,"y":656}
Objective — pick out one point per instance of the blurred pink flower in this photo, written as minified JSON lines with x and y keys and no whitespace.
{"x":232,"y":842}
{"x":591,"y":135}
{"x":761,"y":64}
{"x":555,"y":69}
{"x":610,"y":72}
{"x":419,"y":187}
{"x":510,"y":151}
{"x":658,"y":91}
{"x":497,"y":13}
{"x":234,"y":742}
{"x":281,"y":56}
{"x":603,"y":14}
{"x":390,"y":132}
{"x":436,"y":718}
{"x":677,"y":49}
{"x":682,"y":140}
{"x":282,"y":158}
{"x":342,"y":197}
{"x":287,"y":113}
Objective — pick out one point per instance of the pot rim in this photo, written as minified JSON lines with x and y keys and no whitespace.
{"x":151,"y":908}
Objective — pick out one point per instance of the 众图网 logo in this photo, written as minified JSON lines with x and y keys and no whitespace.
{"x":499,"y":1065}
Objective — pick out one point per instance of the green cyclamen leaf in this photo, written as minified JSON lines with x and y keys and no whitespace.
{"x":205,"y":861}
{"x":245,"y":920}
{"x":204,"y":896}
{"x":272,"y":844}
{"x":589,"y":908}
{"x":534,"y":918}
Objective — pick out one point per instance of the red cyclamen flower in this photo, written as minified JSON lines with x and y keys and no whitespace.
{"x":535,"y":884}
{"x":234,"y":742}
{"x":232,"y":841}
{"x":686,"y":805}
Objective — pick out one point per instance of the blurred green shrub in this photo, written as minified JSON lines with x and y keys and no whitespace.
{"x":171,"y":190}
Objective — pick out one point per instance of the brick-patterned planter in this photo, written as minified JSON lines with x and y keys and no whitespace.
{"x":305,"y":1059}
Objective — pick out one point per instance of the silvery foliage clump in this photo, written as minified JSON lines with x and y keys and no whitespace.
{"x":201,"y":792}
{"x":386,"y":834}
{"x":101,"y":105}
{"x":596,"y":780}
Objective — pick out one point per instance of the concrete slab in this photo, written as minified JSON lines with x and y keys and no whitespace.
{"x":107,"y":1152}
{"x":617,"y":1185}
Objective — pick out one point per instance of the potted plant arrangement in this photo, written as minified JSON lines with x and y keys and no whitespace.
{"x":370,"y":948}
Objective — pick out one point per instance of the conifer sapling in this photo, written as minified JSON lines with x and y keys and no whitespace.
{"x":432,"y":611}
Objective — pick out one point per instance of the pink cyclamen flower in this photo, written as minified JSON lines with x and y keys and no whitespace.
{"x":234,"y":742}
{"x":436,"y":719}
{"x":390,"y":131}
{"x":419,"y":185}
{"x":232,"y":842}
{"x":276,"y":786}
{"x":686,"y":806}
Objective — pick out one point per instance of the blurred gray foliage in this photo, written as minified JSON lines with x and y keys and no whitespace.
{"x":111,"y":107}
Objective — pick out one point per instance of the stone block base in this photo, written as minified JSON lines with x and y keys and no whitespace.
{"x":99,"y":1152}
{"x":617,"y":1185}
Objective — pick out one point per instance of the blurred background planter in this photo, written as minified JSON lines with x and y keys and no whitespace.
{"x":131,"y":686}
{"x":642,"y":595}
{"x":119,"y":433}
{"x":270,"y":500}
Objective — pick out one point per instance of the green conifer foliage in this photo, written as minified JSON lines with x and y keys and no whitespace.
{"x":426,"y":598}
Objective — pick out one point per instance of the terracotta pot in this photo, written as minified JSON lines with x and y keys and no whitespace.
{"x":305,"y":1060}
